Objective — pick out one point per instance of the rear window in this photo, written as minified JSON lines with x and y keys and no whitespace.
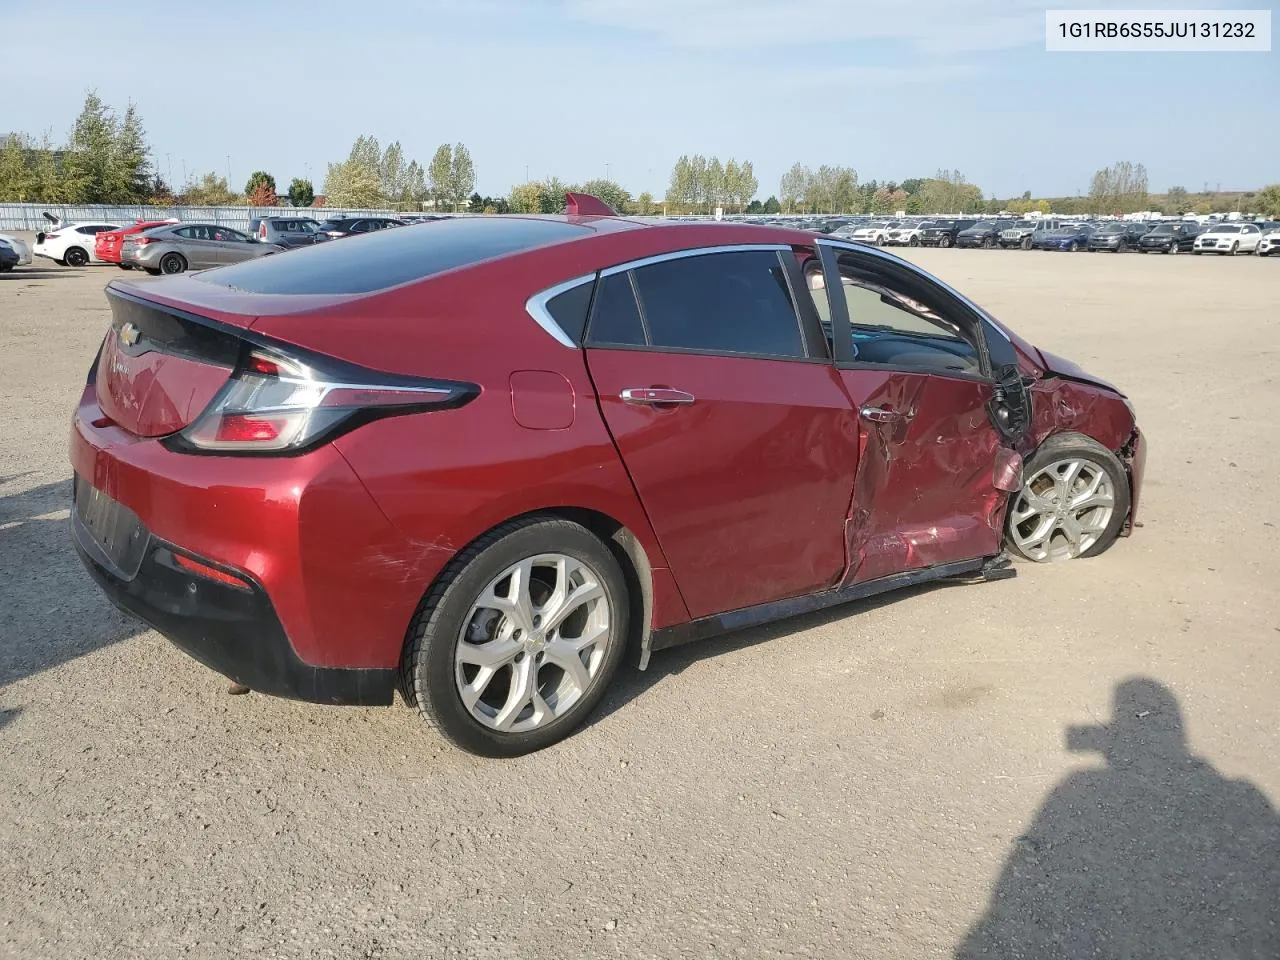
{"x":295,"y":225}
{"x":387,"y":258}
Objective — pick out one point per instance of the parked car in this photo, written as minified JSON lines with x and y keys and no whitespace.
{"x":984,"y":233}
{"x":906,"y":234}
{"x":1021,"y":233}
{"x":1068,"y":236}
{"x":20,"y":247}
{"x":1228,"y":239}
{"x":9,"y":257}
{"x":877,"y":232}
{"x":1269,"y":243}
{"x":191,"y":246}
{"x":109,"y":243}
{"x":1118,"y":236}
{"x":70,"y":244}
{"x":1170,"y":237}
{"x":339,"y":227}
{"x":944,"y":231}
{"x":288,"y":232}
{"x":461,"y":460}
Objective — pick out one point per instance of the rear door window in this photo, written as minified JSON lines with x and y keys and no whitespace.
{"x":615,"y":317}
{"x":722,"y":303}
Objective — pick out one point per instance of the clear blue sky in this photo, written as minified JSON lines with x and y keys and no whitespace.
{"x":893,"y":88}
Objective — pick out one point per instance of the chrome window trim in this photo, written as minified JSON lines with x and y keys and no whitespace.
{"x":536,"y":307}
{"x":899,"y":262}
{"x":692,"y":252}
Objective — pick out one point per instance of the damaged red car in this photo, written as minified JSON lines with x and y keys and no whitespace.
{"x":481,"y":459}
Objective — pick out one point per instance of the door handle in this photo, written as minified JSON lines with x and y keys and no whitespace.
{"x":656,"y":396}
{"x":883,"y":415}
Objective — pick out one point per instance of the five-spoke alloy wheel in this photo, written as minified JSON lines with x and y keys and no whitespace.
{"x":519,"y":637}
{"x":1073,"y":502}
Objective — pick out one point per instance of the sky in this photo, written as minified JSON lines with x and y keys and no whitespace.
{"x":588,"y":88}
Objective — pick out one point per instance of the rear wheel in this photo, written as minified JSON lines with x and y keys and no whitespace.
{"x":1026,"y":243}
{"x":153,"y":271}
{"x":1073,"y":502}
{"x":915,"y":242}
{"x":519,"y":638}
{"x":173,"y":263}
{"x":944,"y":241}
{"x":125,"y":266}
{"x":76,"y":257}
{"x":1173,"y":248}
{"x":1235,"y":246}
{"x":1072,"y":247}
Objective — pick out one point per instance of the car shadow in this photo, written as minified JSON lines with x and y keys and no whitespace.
{"x":50,"y":609}
{"x":1152,"y":855}
{"x":632,"y":682}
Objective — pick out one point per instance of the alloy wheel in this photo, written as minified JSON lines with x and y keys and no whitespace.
{"x":1062,"y":510}
{"x":533,"y":643}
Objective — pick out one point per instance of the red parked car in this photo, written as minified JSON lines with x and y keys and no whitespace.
{"x":480,"y":460}
{"x":107,"y":245}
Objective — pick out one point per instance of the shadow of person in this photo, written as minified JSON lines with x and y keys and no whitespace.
{"x":1154,"y":855}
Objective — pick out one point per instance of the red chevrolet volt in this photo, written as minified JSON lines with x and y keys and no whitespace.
{"x":478,"y":460}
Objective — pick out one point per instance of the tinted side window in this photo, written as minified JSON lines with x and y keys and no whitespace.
{"x":720,"y":303}
{"x":569,"y":310}
{"x":615,"y":318}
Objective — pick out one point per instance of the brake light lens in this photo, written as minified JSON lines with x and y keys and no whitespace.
{"x":275,"y":403}
{"x":142,"y":241}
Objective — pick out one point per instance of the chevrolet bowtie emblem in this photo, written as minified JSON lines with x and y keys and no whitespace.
{"x":129,"y":334}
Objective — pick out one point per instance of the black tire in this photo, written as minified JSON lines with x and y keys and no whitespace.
{"x":427,"y":670}
{"x":1235,"y":246}
{"x":75,"y":257}
{"x":1142,"y":250}
{"x":1025,"y":243}
{"x":915,"y":242}
{"x":153,"y":271}
{"x":1076,"y":445}
{"x":988,"y":243}
{"x":172,"y":263}
{"x":1072,"y":247}
{"x":125,"y":266}
{"x":944,"y":241}
{"x":1173,"y":249}
{"x":1195,"y":252}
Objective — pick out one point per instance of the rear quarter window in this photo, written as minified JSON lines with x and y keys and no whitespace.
{"x":388,"y":258}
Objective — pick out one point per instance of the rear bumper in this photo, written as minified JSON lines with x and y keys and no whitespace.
{"x":231,"y":630}
{"x":337,"y":585}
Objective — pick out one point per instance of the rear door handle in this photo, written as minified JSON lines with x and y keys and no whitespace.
{"x":883,"y":415}
{"x":656,"y":396}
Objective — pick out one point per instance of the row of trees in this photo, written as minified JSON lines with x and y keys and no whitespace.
{"x":372,"y":177}
{"x":700,"y":184}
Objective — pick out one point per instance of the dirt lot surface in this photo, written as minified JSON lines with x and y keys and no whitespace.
{"x":890,"y":779}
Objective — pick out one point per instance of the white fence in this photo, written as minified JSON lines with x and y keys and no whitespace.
{"x":30,"y":216}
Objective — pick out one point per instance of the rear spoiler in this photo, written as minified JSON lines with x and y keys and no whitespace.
{"x":585,"y":205}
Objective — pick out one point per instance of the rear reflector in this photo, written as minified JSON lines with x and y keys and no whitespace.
{"x":209,"y":573}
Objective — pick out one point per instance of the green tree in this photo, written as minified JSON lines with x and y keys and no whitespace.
{"x":680,"y":188}
{"x":438,"y":174}
{"x":132,"y":157}
{"x":48,"y":182}
{"x":1119,"y":188}
{"x":913,"y":185}
{"x":794,"y":186}
{"x":415,"y":185}
{"x":1267,"y":201}
{"x":1176,"y":200}
{"x":525,"y":198}
{"x":747,"y":183}
{"x":714,"y":191}
{"x":301,"y":192}
{"x":771,"y":206}
{"x":89,"y":172}
{"x":457,"y":181}
{"x":391,"y":172}
{"x":210,"y":190}
{"x":17,"y":179}
{"x":645,"y":205}
{"x":755,"y":206}
{"x":356,"y":181}
{"x":261,"y":186}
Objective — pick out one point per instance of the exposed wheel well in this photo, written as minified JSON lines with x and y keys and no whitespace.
{"x":622,"y":543}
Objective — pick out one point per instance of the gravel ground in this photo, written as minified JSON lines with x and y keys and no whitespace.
{"x":890,"y":779}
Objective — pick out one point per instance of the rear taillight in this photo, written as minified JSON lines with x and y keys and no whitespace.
{"x":142,"y":241}
{"x":275,"y":403}
{"x":52,"y":236}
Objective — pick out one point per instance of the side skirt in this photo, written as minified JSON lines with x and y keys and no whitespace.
{"x":719,"y":623}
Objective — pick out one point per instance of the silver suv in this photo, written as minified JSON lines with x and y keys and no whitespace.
{"x":288,"y":232}
{"x":1023,"y":233}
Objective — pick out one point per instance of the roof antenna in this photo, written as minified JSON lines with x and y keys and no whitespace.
{"x":585,"y":205}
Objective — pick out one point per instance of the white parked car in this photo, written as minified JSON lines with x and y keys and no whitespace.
{"x":1270,"y":242}
{"x":877,"y":232}
{"x":1228,"y":239}
{"x":906,"y":234}
{"x":20,"y":246}
{"x":70,"y":244}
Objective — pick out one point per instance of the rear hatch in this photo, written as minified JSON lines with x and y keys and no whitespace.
{"x":169,"y":351}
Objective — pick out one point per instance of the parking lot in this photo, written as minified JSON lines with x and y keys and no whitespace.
{"x":888,"y":779}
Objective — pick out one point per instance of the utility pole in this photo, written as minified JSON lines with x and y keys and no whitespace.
{"x":228,"y":171}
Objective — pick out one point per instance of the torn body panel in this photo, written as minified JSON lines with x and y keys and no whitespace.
{"x":1074,"y":405}
{"x":926,"y":488}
